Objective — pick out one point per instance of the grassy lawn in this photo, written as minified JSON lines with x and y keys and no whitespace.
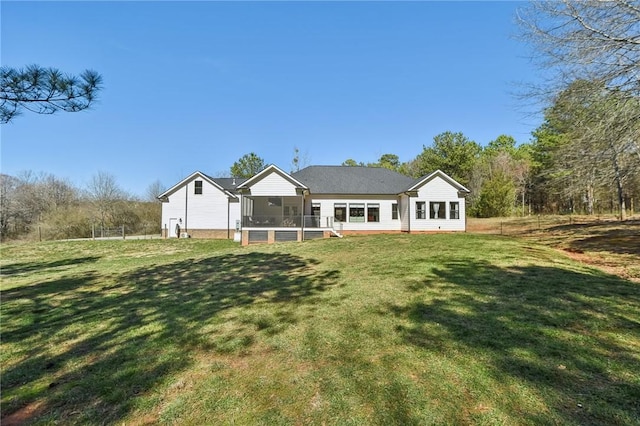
{"x":387,"y":329}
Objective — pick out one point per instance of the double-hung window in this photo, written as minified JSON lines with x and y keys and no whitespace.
{"x":373,"y":212}
{"x":454,"y":210}
{"x":421,"y":210}
{"x":197,"y":185}
{"x":356,"y":212}
{"x":394,"y":211}
{"x":340,"y":212}
{"x":437,"y":210}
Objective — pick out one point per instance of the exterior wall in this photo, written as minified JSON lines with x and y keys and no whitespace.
{"x":273,"y":185}
{"x":327,"y":203}
{"x":204,"y":214}
{"x":437,"y":190}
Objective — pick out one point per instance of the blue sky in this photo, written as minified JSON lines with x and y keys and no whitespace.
{"x":194,"y":86}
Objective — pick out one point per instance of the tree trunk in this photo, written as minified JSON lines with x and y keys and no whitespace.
{"x":590,"y":199}
{"x":619,"y":187}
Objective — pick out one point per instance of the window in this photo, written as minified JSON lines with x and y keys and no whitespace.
{"x":421,"y":210}
{"x":373,"y":212}
{"x":356,"y":212}
{"x":315,"y":209}
{"x":394,"y":211}
{"x":197,"y":187}
{"x":437,"y":210}
{"x":454,"y":210}
{"x":340,"y":212}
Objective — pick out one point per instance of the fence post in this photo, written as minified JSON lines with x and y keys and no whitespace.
{"x":93,"y":231}
{"x":123,"y":232}
{"x":501,"y":227}
{"x":538,"y":222}
{"x":40,"y":233}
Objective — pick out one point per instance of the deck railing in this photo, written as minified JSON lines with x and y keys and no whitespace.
{"x":271,"y":221}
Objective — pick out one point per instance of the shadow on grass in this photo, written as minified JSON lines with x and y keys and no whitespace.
{"x":25,"y":267}
{"x":613,"y":237}
{"x":91,"y":344}
{"x":558,"y":330}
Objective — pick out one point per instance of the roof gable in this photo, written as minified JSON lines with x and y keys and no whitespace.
{"x":425,"y":179}
{"x":188,"y":179}
{"x":266,"y":172}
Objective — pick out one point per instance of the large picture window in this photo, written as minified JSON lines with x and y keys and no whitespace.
{"x":340,"y":212}
{"x":373,"y":212}
{"x":421,"y":210}
{"x":454,"y":210}
{"x":437,"y":210}
{"x":356,"y":212}
{"x":197,"y":187}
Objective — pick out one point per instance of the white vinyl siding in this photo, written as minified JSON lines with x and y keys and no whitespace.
{"x":438,"y":190}
{"x":327,"y":205}
{"x":209,"y":210}
{"x":273,"y":184}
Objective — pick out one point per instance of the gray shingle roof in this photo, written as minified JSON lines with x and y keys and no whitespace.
{"x":230,"y":184}
{"x":352,"y":180}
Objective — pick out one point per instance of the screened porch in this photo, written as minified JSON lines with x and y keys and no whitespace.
{"x":272,"y":212}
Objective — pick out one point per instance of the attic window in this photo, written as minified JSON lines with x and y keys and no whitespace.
{"x":197,"y":187}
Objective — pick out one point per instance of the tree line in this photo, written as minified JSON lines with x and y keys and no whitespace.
{"x":44,"y":206}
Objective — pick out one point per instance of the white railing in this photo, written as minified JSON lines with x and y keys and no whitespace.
{"x":318,"y":222}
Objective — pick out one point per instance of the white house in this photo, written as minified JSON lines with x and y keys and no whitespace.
{"x":315,"y":202}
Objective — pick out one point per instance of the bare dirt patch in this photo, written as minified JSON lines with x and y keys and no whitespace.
{"x":24,"y":414}
{"x":608,"y":244}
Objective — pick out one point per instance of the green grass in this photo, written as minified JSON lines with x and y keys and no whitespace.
{"x":402,"y":329}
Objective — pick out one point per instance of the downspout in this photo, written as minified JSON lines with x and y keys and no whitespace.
{"x":408,"y":212}
{"x":302,"y":214}
{"x":228,"y":217}
{"x":186,"y":207}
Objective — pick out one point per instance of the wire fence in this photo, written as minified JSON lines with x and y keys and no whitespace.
{"x":534,"y":224}
{"x":93,"y":232}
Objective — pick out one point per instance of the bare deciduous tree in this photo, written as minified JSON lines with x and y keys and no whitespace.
{"x":589,"y":40}
{"x":105,"y":194}
{"x":154,"y":189}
